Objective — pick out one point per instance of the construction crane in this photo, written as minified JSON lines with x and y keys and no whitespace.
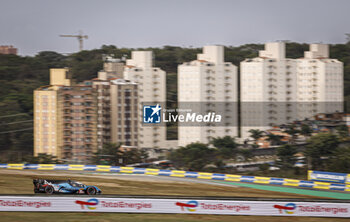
{"x":80,"y":38}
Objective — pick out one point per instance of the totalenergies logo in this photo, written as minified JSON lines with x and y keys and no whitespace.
{"x":288,"y":208}
{"x":90,"y":204}
{"x":190,"y":205}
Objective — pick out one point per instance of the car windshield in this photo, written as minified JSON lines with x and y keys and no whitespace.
{"x":76,"y":184}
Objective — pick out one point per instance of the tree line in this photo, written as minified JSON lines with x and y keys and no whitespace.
{"x":323,"y":151}
{"x":110,"y":154}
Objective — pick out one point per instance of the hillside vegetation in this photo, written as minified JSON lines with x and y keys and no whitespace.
{"x":19,"y":76}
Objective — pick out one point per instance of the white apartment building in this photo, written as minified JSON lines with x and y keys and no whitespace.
{"x":152,"y":90}
{"x":320,"y":83}
{"x":268,"y":89}
{"x":208,"y":83}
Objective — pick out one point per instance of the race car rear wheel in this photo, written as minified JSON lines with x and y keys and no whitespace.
{"x":49,"y":190}
{"x":90,"y":191}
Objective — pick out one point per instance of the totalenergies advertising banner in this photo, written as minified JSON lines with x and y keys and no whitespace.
{"x":184,"y":206}
{"x":328,"y":176}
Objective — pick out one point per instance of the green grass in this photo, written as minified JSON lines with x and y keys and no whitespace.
{"x":317,"y":193}
{"x":20,"y":182}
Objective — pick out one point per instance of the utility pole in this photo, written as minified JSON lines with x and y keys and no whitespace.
{"x":80,"y":38}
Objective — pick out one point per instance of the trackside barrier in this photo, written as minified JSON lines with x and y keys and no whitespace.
{"x":181,"y":173}
{"x":173,"y":206}
{"x":323,"y":176}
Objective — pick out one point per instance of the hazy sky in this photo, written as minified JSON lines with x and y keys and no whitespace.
{"x":34,"y":25}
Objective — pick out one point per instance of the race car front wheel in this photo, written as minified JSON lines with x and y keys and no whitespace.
{"x":90,"y":191}
{"x":49,"y":190}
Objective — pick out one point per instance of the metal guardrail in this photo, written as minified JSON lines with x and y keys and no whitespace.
{"x":181,"y":173}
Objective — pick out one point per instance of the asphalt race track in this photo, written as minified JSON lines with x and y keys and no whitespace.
{"x":339,"y":195}
{"x":296,"y":190}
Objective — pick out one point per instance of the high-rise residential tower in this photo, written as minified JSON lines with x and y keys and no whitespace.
{"x":65,"y":119}
{"x":151,"y":90}
{"x":117,"y":111}
{"x":113,"y":67}
{"x":268,"y":89}
{"x":211,"y":84}
{"x":320,"y":82}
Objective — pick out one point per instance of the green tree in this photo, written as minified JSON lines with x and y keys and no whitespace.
{"x":256,"y":134}
{"x":194,"y":156}
{"x":274,"y":139}
{"x":343,"y":131}
{"x":292,"y":131}
{"x":286,"y":157}
{"x":341,"y":160}
{"x":219,"y":163}
{"x":42,"y":158}
{"x":305,"y":130}
{"x":246,"y":154}
{"x":134,"y":156}
{"x":51,"y":59}
{"x":320,"y":150}
{"x":296,"y":50}
{"x":226,"y":146}
{"x":110,"y":154}
{"x":264,"y":167}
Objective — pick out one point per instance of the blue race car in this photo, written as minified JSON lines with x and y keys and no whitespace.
{"x":63,"y":186}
